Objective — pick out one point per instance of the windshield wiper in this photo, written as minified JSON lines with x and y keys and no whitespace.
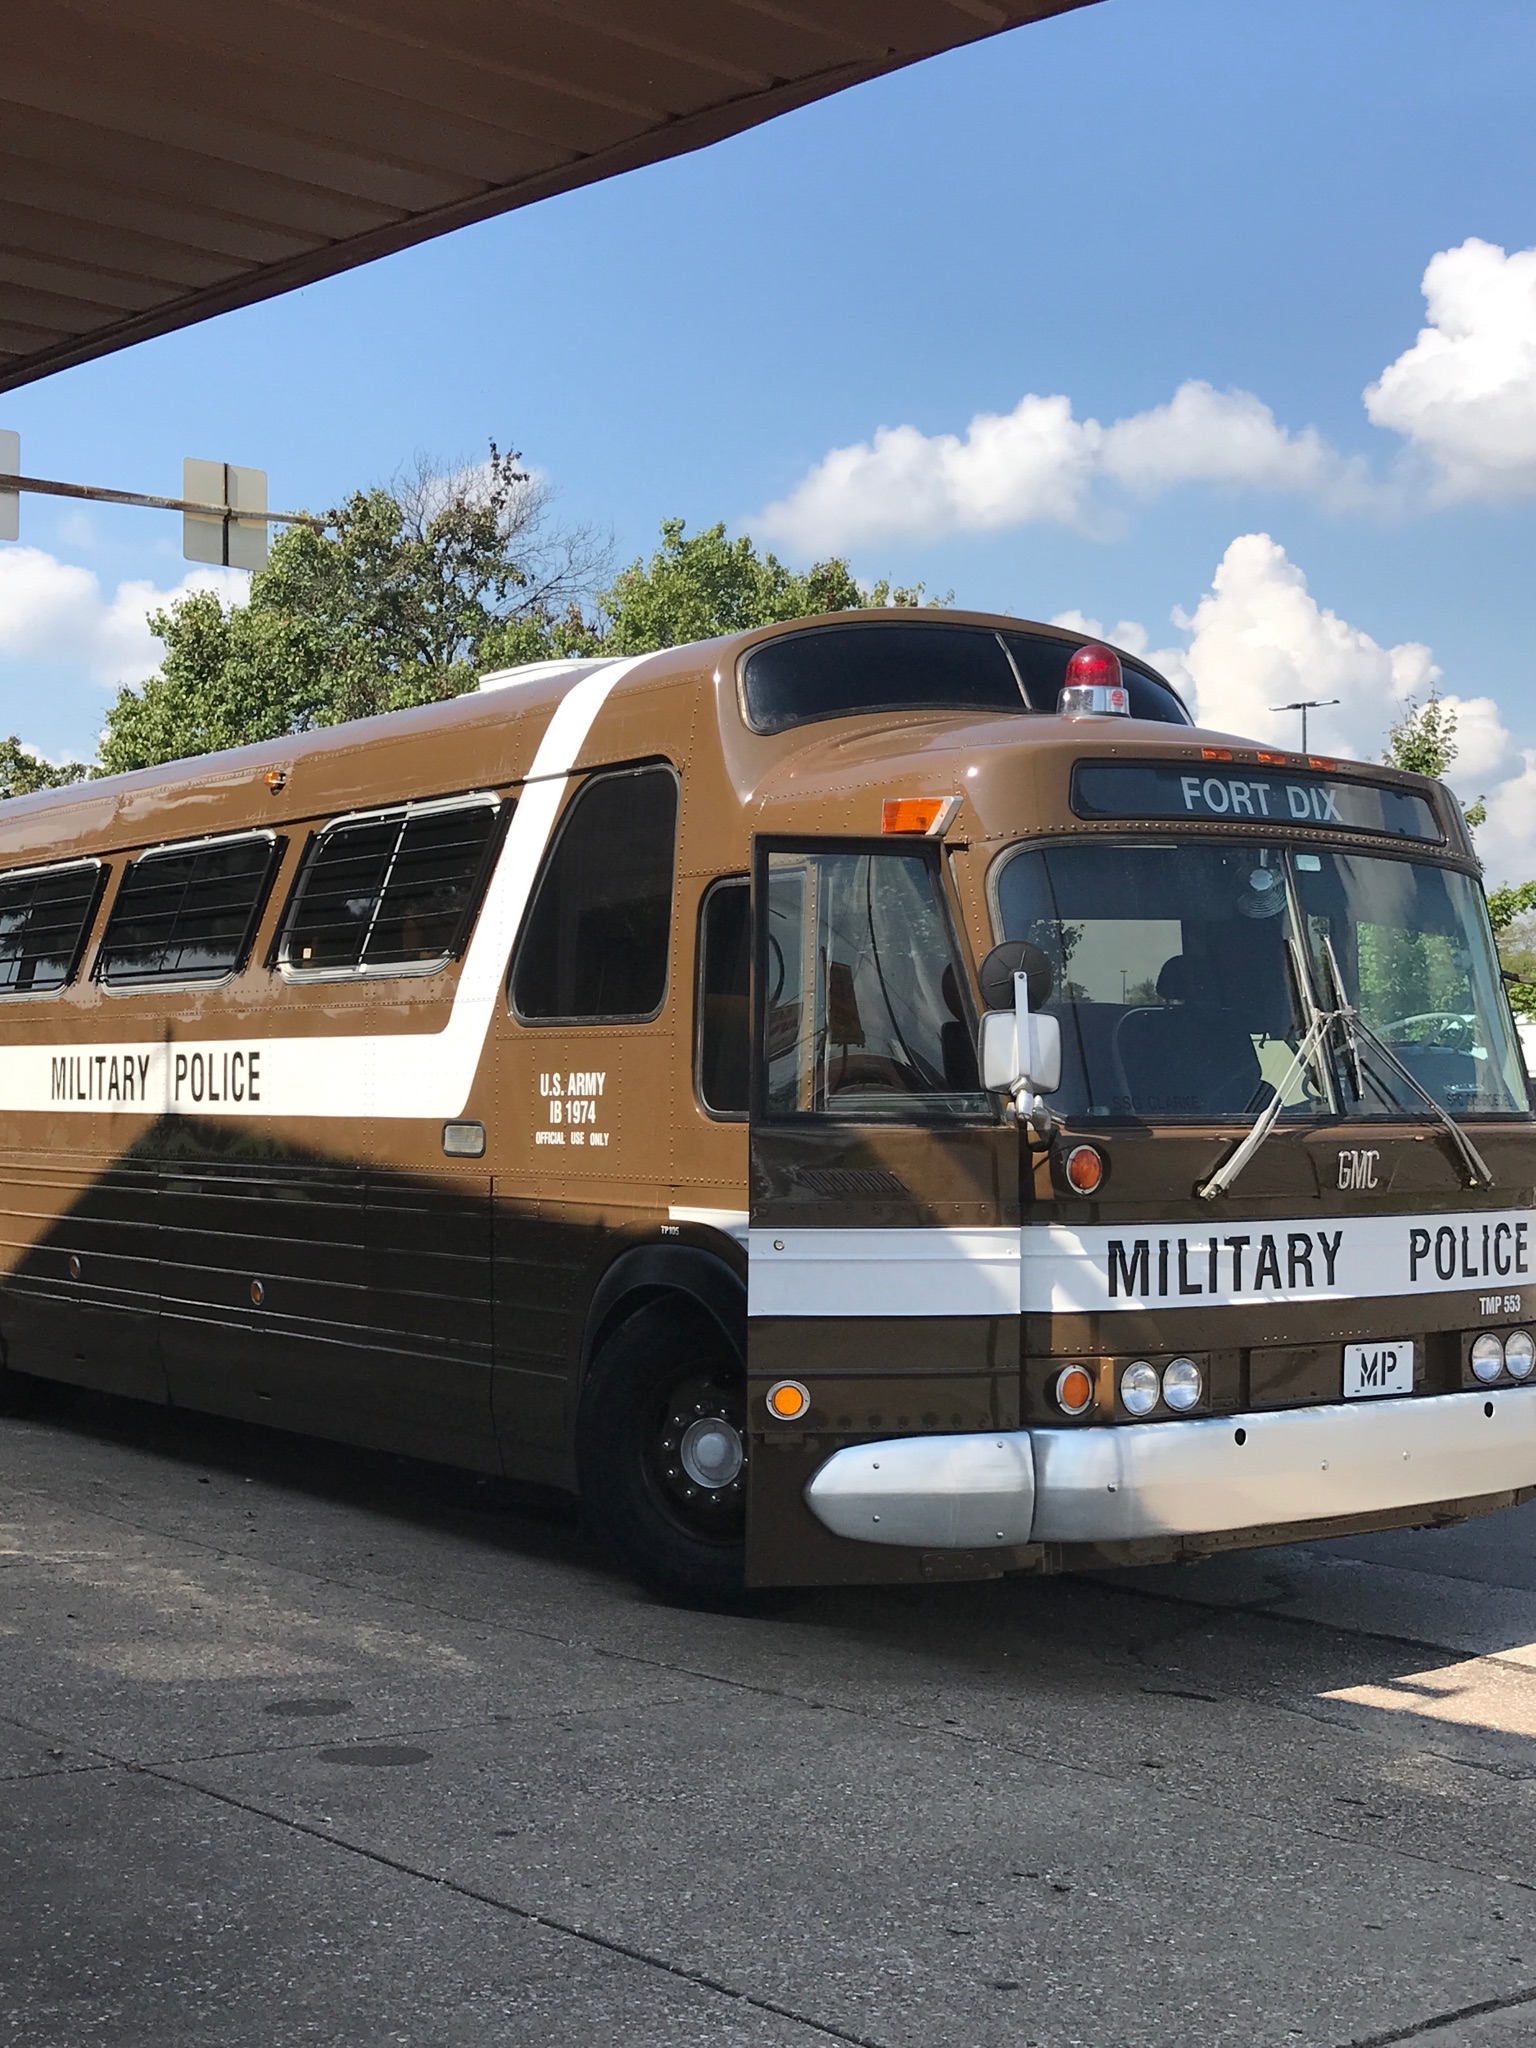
{"x":1479,"y":1174}
{"x":1353,"y":1028}
{"x":1319,"y":1023}
{"x":1269,"y":1116}
{"x":1346,"y":1045}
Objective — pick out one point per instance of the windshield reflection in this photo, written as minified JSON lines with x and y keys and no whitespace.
{"x":1413,"y":951}
{"x":1186,"y":976}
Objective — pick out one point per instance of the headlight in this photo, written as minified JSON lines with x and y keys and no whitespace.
{"x":1183,"y":1384}
{"x":1140,"y":1386}
{"x":1519,"y":1354}
{"x":1488,"y":1356}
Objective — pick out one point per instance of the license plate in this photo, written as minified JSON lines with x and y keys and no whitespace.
{"x":1385,"y":1368}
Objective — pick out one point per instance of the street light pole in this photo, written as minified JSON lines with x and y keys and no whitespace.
{"x":1304,"y":705}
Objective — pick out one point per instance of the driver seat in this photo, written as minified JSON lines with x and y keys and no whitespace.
{"x":1191,"y":1055}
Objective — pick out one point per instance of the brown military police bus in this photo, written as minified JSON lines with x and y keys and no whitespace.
{"x":878,"y":1098}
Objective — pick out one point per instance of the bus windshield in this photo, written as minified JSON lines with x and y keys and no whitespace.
{"x":1179,"y":971}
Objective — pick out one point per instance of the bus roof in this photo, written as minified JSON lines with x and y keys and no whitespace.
{"x":488,"y":737}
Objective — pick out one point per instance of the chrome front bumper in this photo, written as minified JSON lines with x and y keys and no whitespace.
{"x":1123,"y":1483}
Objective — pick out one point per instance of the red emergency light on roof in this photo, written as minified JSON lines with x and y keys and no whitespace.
{"x":1094,"y":686}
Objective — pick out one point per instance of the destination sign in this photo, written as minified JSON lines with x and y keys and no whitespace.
{"x":1231,"y":794}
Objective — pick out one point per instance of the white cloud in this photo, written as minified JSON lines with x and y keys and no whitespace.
{"x":1507,"y":842}
{"x":1218,"y":437}
{"x":1033,"y":463}
{"x":1464,"y":395}
{"x":1259,"y":638}
{"x":1039,"y":463}
{"x":56,"y":614}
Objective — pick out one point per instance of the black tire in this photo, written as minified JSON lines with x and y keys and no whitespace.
{"x":665,"y":1372}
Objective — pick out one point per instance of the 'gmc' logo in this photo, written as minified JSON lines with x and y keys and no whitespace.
{"x":1357,"y":1170}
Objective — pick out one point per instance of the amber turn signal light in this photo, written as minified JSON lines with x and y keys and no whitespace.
{"x":926,"y":814}
{"x":1084,"y":1169}
{"x":787,"y":1400}
{"x":1074,"y":1390}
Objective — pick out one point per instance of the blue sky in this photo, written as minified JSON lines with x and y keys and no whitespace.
{"x":1148,"y":194}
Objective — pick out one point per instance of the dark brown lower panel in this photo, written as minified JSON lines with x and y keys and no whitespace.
{"x":113,"y":1347}
{"x":342,"y":1388}
{"x":535,"y":1414}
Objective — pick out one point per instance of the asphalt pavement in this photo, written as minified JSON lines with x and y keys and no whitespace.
{"x":300,"y":1745}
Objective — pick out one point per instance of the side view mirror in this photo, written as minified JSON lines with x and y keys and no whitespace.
{"x":1020,"y":1047}
{"x":1020,"y":1052}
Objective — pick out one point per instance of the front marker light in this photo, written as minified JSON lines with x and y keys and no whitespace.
{"x":1488,"y":1357}
{"x":1073,"y":1389}
{"x":1183,"y":1384}
{"x":1519,"y":1354}
{"x":1140,"y":1387}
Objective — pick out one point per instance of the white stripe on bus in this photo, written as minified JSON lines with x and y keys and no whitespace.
{"x":1053,"y":1269}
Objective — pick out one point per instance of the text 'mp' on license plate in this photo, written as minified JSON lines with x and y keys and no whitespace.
{"x":1383,"y":1368}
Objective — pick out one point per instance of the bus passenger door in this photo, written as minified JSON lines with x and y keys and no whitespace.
{"x":883,"y":1293}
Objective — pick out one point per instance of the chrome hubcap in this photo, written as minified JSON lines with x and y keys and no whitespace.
{"x":711,"y":1452}
{"x":699,"y":1459}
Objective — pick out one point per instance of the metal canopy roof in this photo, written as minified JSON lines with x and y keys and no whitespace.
{"x":165,"y":160}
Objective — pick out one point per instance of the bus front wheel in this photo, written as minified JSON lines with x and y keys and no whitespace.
{"x":662,"y":1456}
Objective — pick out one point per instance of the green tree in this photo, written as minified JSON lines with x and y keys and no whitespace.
{"x":405,"y":598}
{"x":1424,"y":743}
{"x":1424,"y":739}
{"x":22,"y":772}
{"x":696,"y":586}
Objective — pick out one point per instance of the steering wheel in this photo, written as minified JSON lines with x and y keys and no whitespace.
{"x":1448,"y":1028}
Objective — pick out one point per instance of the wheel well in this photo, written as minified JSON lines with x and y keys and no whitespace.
{"x":703,"y":1289}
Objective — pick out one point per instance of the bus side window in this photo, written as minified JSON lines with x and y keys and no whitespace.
{"x":188,"y":912}
{"x":724,"y":1024}
{"x":395,"y":892}
{"x":598,"y":937}
{"x":45,"y":914}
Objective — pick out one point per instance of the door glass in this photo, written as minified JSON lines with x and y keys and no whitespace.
{"x":862,"y":1012}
